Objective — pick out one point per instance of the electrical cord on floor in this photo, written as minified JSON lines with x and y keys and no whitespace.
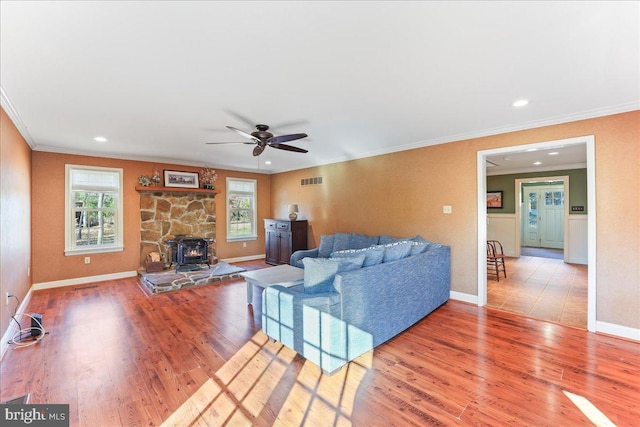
{"x":29,"y":339}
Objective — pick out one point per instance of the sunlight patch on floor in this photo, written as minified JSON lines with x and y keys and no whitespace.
{"x":241,"y":387}
{"x":589,"y":410}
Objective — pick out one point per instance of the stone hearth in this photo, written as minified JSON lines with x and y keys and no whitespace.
{"x":169,"y":280}
{"x":165,"y":214}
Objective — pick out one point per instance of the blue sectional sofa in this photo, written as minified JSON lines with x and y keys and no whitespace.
{"x":334,"y":319}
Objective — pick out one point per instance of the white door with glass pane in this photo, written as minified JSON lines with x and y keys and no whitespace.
{"x":543,"y":224}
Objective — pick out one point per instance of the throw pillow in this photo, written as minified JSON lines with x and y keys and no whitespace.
{"x":372,"y":255}
{"x":326,"y":245}
{"x":419,"y":238}
{"x":319,"y":272}
{"x":396,"y":251}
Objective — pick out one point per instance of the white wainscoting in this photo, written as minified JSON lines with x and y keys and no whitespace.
{"x":576,"y":250}
{"x":502,"y":227}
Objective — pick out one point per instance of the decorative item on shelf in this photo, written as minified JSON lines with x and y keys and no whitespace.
{"x":208,"y":177}
{"x":144,"y":180}
{"x":181,"y":179}
{"x":156,"y":177}
{"x":293,"y":212}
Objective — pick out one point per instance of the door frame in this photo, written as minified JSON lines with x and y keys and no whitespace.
{"x":565,"y":219}
{"x":589,"y":142}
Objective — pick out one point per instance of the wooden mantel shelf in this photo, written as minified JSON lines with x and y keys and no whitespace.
{"x":151,"y":189}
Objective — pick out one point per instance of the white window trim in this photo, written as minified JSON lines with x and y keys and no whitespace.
{"x":118,"y":245}
{"x":254,"y":236}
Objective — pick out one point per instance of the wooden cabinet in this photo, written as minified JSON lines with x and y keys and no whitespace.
{"x":282,"y":238}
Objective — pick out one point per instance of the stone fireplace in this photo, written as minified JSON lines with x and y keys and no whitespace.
{"x":166,"y":213}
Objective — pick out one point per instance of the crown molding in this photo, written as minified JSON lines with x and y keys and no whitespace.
{"x":8,"y":107}
{"x":584,"y":115}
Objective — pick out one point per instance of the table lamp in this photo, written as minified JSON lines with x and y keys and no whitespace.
{"x":293,"y":212}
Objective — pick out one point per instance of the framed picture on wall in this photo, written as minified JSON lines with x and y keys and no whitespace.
{"x":181,"y":179}
{"x":494,"y":199}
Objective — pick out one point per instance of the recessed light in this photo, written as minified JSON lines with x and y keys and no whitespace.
{"x":521,"y":103}
{"x":554,"y":153}
{"x":537,"y":163}
{"x":267,"y":162}
{"x":531,"y":149}
{"x":100,"y":139}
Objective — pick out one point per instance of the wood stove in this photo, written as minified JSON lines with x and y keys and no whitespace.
{"x":188,"y":253}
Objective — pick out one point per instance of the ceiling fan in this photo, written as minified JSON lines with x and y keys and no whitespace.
{"x":263,"y":139}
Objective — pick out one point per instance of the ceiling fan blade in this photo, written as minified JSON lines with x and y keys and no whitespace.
{"x":243,"y":133}
{"x":286,"y":138}
{"x":259,"y":149}
{"x":234,"y":142}
{"x":288,"y":148}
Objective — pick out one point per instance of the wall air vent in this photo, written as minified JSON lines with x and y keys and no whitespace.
{"x":311,"y":181}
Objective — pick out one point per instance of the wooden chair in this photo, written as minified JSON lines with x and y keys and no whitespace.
{"x":495,"y":259}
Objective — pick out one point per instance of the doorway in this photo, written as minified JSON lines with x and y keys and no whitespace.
{"x":589,"y":143}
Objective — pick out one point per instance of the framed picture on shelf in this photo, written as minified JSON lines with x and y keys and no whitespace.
{"x":494,"y":199}
{"x":181,"y":179}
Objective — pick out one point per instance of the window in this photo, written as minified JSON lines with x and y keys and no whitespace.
{"x":241,"y":209}
{"x":93,"y":212}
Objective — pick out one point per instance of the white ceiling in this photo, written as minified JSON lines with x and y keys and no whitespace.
{"x":160,"y":79}
{"x":559,"y":157}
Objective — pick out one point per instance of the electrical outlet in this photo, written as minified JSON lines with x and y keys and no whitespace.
{"x":7,"y":301}
{"x":446,"y":209}
{"x":87,"y":260}
{"x":244,"y":244}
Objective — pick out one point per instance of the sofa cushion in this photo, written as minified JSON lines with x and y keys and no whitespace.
{"x":360,"y":241}
{"x":326,"y":245}
{"x":372,"y":255}
{"x":341,"y":241}
{"x":419,"y":247}
{"x":385,"y":240}
{"x":396,"y":251}
{"x":320,"y":272}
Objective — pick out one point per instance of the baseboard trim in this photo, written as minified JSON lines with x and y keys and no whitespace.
{"x":82,"y":280}
{"x":460,"y":296}
{"x":13,"y":328}
{"x":618,"y":330}
{"x":244,"y":258}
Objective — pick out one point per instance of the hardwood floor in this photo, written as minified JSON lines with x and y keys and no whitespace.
{"x":197,"y":357}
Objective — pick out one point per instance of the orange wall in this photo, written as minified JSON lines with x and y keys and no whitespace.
{"x":402,"y":194}
{"x":15,"y":225}
{"x":49,"y":261}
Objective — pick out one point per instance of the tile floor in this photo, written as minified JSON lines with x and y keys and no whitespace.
{"x":543,"y":288}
